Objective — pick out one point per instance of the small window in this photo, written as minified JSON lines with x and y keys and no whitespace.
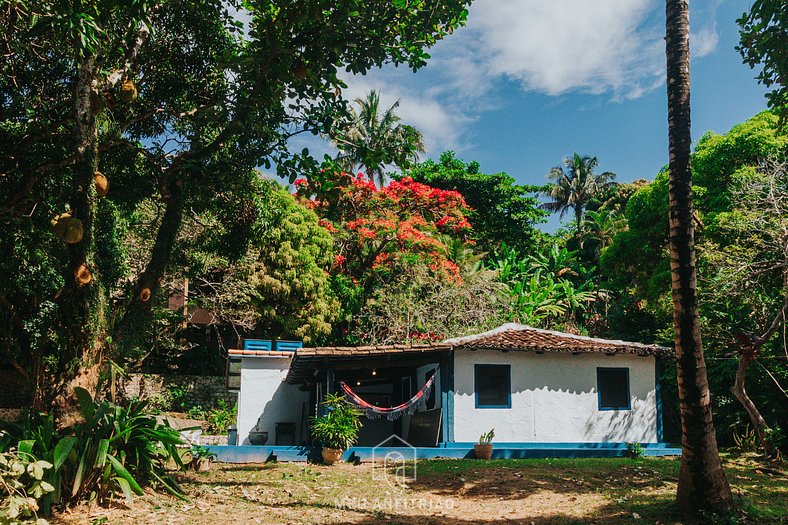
{"x":233,"y":373}
{"x":493,"y":386}
{"x":613,"y":388}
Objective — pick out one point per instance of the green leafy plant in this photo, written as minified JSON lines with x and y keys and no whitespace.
{"x":635,"y":450}
{"x":745,"y":440}
{"x":22,"y":484}
{"x":338,"y":428}
{"x":197,"y":412}
{"x":115,"y":449}
{"x":221,"y":417}
{"x":202,"y":452}
{"x":487,"y":437}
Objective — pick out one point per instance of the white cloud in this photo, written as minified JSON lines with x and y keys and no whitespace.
{"x":612,"y":48}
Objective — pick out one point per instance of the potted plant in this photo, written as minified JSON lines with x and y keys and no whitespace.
{"x":483,"y":449}
{"x":337,"y":430}
{"x":202,"y":457}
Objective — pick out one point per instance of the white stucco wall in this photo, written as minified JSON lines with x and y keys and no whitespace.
{"x":554,"y":399}
{"x":266,"y":398}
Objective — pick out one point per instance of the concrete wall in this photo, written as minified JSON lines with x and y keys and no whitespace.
{"x":554,"y":399}
{"x":267,"y":400}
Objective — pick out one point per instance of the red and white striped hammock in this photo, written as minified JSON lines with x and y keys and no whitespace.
{"x":390,"y":413}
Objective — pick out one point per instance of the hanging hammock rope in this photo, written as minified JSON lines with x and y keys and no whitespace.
{"x":391,"y":413}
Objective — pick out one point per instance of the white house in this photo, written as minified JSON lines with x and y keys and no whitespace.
{"x":534,"y":387}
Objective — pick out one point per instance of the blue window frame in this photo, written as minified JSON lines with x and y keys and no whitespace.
{"x":613,"y":388}
{"x":493,"y":386}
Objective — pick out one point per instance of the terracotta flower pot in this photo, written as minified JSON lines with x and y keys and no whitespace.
{"x":201,"y":464}
{"x":483,"y":451}
{"x":331,"y":455}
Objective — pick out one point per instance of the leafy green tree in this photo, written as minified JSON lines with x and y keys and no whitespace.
{"x":574,"y":185}
{"x":764,"y":41}
{"x":373,"y":139}
{"x":502,"y":211}
{"x":280,"y":285}
{"x":746,"y":291}
{"x":173,"y":106}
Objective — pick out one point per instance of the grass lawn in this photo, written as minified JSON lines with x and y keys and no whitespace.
{"x":455,"y":492}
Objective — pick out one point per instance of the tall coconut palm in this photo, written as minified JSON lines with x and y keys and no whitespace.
{"x":575,"y":184}
{"x":373,"y":139}
{"x":702,"y":484}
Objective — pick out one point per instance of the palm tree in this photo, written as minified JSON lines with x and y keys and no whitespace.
{"x":373,"y":139}
{"x":702,"y":484}
{"x":600,"y":227}
{"x":575,"y":184}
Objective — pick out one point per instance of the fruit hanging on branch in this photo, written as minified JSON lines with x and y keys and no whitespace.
{"x":82,"y":275}
{"x":59,"y":224}
{"x":74,"y":231}
{"x":128,"y":91}
{"x":67,"y":227}
{"x":101,"y":183}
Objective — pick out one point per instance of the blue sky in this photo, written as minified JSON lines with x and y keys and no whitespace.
{"x":528,"y":82}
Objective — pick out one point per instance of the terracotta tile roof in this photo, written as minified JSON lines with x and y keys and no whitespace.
{"x":258,"y":353}
{"x":369,"y":350}
{"x":525,"y":338}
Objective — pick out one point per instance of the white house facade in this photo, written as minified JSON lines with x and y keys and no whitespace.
{"x":534,"y":387}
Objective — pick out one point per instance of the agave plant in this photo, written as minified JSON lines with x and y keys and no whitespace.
{"x":115,"y":449}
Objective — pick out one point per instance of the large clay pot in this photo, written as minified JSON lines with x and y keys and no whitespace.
{"x":201,"y":464}
{"x":331,"y":455}
{"x":483,"y":451}
{"x":258,"y":438}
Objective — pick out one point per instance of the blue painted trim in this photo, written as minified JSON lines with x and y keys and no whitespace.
{"x":448,"y":408}
{"x":256,"y":344}
{"x":476,"y":368}
{"x":252,"y":454}
{"x":548,"y":445}
{"x":444,"y":401}
{"x":287,"y":346}
{"x":658,"y":395}
{"x":599,"y":390}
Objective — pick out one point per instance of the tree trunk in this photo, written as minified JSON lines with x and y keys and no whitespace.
{"x":758,"y":423}
{"x":82,"y":308}
{"x":135,"y":321}
{"x":702,"y":484}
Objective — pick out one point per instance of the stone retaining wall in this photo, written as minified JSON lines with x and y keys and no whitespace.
{"x":177,"y":392}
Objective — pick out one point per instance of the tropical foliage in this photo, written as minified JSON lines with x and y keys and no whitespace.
{"x":114,"y":450}
{"x":575,"y":184}
{"x":339,"y":425}
{"x":373,"y":139}
{"x":502,"y":211}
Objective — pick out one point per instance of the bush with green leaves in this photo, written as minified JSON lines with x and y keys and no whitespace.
{"x":114,"y":450}
{"x":338,"y":427}
{"x":221,"y":417}
{"x":22,"y":484}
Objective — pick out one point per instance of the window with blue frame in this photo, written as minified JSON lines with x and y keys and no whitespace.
{"x":493,"y":386}
{"x":613,"y":388}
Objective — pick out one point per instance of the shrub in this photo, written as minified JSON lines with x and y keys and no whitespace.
{"x":635,"y":450}
{"x":338,"y":428}
{"x":115,"y":449}
{"x":221,"y":417}
{"x":22,"y":484}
